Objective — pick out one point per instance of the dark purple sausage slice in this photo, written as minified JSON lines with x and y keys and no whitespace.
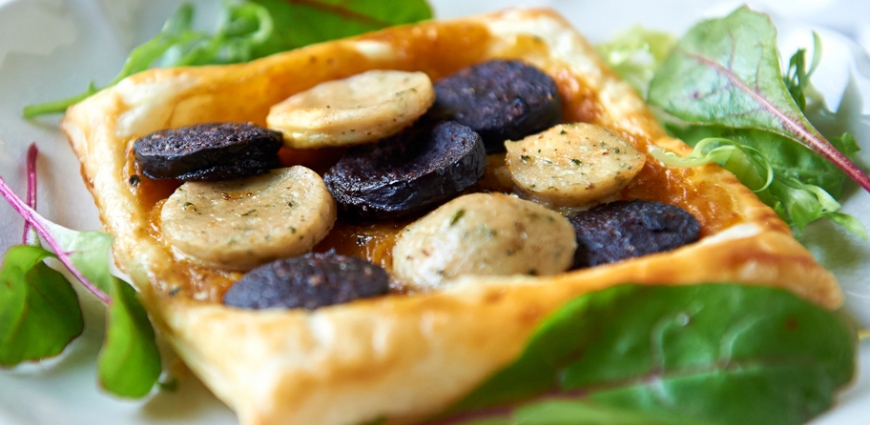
{"x":208,"y":152}
{"x":501,"y":100}
{"x":310,"y":281}
{"x":415,"y":170}
{"x":238,"y":170}
{"x":625,"y":229}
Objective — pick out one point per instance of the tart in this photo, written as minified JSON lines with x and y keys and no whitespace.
{"x":404,"y":356}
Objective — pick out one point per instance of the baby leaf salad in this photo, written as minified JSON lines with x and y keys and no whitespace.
{"x":703,"y":354}
{"x":721,"y":89}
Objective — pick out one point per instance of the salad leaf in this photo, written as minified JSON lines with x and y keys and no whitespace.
{"x":248,"y":30}
{"x":799,"y":184}
{"x":726,"y":72}
{"x":569,"y":412}
{"x":304,"y":22}
{"x":41,"y":313}
{"x":788,"y":160}
{"x":699,"y":354}
{"x":806,"y":185}
{"x":636,"y":54}
{"x":89,"y":255}
{"x":748,"y":164}
{"x":797,"y":78}
{"x":129,"y":363}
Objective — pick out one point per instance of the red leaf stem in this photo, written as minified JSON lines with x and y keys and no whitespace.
{"x":39,"y":224}
{"x":32,"y":153}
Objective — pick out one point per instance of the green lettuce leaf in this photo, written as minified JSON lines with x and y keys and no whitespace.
{"x":789,"y":160}
{"x":702,"y":354}
{"x":801,"y":186}
{"x":303,"y":22}
{"x":795,"y":202}
{"x":571,"y":412}
{"x":797,"y":77}
{"x":129,"y":363}
{"x":40,"y":312}
{"x":249,"y":30}
{"x":636,"y":54}
{"x":89,"y":253}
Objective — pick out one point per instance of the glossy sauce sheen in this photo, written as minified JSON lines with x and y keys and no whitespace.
{"x":438,"y":52}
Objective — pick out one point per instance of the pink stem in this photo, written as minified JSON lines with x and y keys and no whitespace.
{"x":32,"y":152}
{"x":829,"y":152}
{"x":38,"y":222}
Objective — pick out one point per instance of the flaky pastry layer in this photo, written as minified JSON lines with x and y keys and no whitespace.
{"x":405,"y":357}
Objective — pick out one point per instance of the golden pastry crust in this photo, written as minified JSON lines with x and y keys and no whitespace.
{"x":402,"y":356}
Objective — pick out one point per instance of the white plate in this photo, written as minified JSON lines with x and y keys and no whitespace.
{"x":51,"y":48}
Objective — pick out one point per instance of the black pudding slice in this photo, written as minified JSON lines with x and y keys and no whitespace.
{"x":625,"y":229}
{"x":309,"y":281}
{"x":208,"y":152}
{"x":417,"y":169}
{"x":501,"y":100}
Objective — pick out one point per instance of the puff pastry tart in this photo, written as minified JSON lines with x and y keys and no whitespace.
{"x":409,"y":354}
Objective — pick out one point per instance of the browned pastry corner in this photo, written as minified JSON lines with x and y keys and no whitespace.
{"x":403,"y":356}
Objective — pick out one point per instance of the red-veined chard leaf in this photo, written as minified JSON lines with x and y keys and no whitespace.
{"x":247,"y":30}
{"x":726,"y":72}
{"x":712,"y":354}
{"x":40,"y":312}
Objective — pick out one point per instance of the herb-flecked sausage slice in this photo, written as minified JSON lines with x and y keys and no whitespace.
{"x":310,"y":281}
{"x":241,"y":224}
{"x":572,"y":164}
{"x":626,"y":229}
{"x":410,"y":172}
{"x":361,"y":109}
{"x":501,"y":100}
{"x":208,"y":152}
{"x":483,"y":234}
